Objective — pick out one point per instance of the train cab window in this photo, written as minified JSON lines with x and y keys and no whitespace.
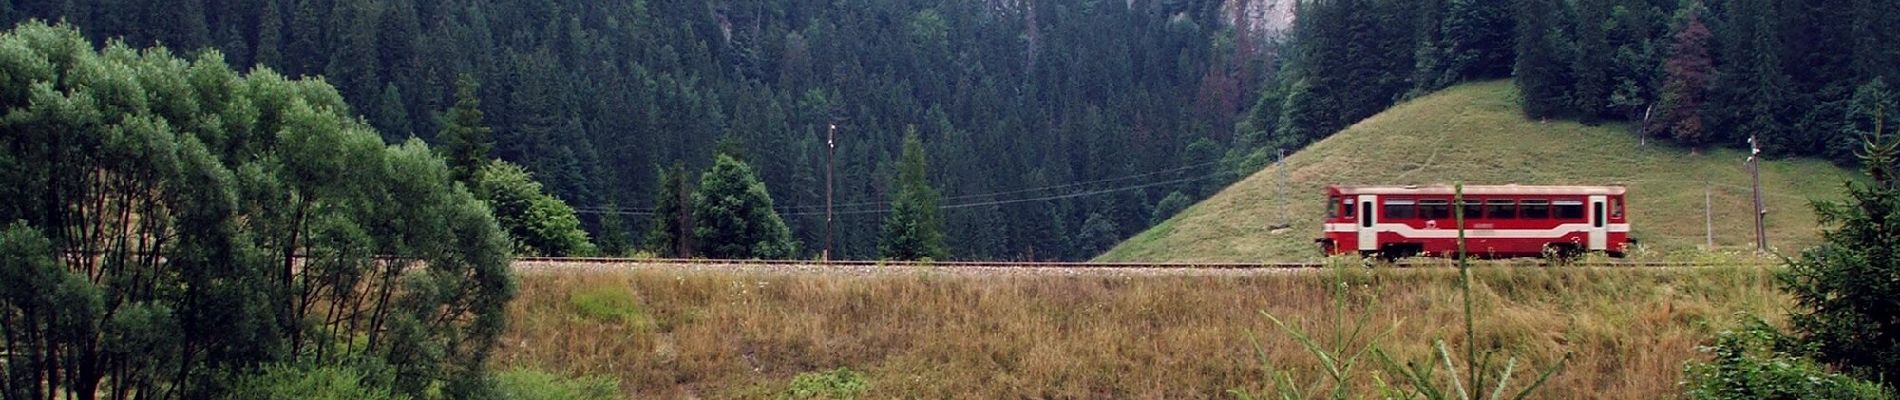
{"x":1332,"y":208}
{"x":1616,"y":208}
{"x":1400,"y":209}
{"x":1533,"y":209}
{"x":1348,"y":207}
{"x":1473,"y":209}
{"x":1500,"y":209}
{"x":1568,"y":209}
{"x":1434,"y":209}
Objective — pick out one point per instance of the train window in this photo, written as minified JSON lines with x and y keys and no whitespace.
{"x":1616,"y":208}
{"x":1500,"y":209}
{"x":1473,"y":209}
{"x":1597,"y":215}
{"x":1332,"y":208}
{"x":1400,"y":209}
{"x":1534,"y":209}
{"x":1434,"y":209}
{"x":1568,"y":209}
{"x":1348,"y":207}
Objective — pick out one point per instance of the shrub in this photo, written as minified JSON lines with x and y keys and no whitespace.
{"x":539,"y":223}
{"x":733,"y":216}
{"x":841,"y":383}
{"x":1747,"y":365}
{"x":310,"y":381}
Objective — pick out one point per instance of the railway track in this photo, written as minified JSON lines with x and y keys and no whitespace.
{"x":1422,"y":263}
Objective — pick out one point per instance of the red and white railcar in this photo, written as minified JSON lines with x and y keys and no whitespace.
{"x":1500,"y":220}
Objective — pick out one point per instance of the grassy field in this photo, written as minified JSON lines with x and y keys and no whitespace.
{"x":922,"y":334}
{"x":1476,"y":134}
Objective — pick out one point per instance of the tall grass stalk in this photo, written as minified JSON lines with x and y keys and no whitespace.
{"x":1338,"y":360}
{"x":1476,"y":366}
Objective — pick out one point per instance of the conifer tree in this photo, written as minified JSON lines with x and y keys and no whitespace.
{"x":391,"y":118}
{"x":670,"y":231}
{"x":1540,"y":68}
{"x":1475,"y":38}
{"x":914,"y":229}
{"x":464,"y":140}
{"x":1590,"y":95}
{"x":1746,"y":95}
{"x":1689,"y":70}
{"x":1846,"y":287}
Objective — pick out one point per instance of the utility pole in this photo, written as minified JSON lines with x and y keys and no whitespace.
{"x":831,"y":148}
{"x":1761,"y":211}
{"x":1642,"y":131}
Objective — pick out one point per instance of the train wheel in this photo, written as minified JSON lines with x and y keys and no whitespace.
{"x":1561,"y":253}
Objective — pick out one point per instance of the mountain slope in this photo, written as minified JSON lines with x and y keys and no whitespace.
{"x":1475,"y":133}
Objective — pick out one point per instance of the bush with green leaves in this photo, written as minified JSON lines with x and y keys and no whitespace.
{"x":308,"y":381}
{"x":539,"y":223}
{"x":733,"y":216}
{"x":173,"y":223}
{"x":1747,"y":365}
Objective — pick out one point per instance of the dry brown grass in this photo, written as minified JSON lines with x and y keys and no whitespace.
{"x":935,"y":335}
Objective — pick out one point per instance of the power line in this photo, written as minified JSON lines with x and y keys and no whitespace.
{"x":1028,"y":190}
{"x":791,"y":212}
{"x":1044,"y":198}
{"x":801,"y":209}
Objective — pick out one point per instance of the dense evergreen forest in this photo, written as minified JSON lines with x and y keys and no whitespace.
{"x":1805,"y":76}
{"x":1023,"y":106}
{"x":1053,"y":128}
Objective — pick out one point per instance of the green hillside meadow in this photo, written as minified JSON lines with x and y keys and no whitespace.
{"x":1475,"y":133}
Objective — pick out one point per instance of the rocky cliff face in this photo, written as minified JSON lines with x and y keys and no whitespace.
{"x":1270,"y":18}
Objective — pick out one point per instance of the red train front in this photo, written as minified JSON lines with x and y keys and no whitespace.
{"x":1500,"y":221}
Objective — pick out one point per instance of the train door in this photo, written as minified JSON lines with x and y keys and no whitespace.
{"x":1599,"y":226}
{"x":1368,"y":237}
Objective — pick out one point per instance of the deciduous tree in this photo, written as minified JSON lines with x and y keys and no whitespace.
{"x":733,"y":215}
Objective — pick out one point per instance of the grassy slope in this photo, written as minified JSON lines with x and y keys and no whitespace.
{"x":1475,"y":133}
{"x":914,"y":334}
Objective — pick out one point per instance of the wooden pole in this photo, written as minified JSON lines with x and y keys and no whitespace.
{"x":1761,"y":211}
{"x":831,"y":149}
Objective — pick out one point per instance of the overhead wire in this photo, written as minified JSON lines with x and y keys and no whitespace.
{"x":804,"y":210}
{"x":1020,"y":191}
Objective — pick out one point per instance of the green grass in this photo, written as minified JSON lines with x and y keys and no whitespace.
{"x":608,"y":303}
{"x":840,"y":384}
{"x":1476,"y":134}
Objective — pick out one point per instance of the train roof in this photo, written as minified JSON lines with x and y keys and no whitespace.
{"x":1481,"y":190}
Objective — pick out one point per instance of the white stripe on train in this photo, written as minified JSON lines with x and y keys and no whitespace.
{"x":1448,"y":233}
